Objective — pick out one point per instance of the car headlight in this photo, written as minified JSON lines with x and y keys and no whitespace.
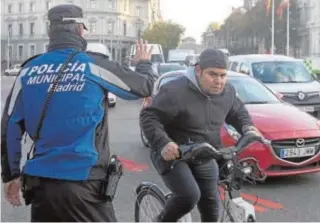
{"x":232,"y":132}
{"x":236,"y":135}
{"x":318,"y":123}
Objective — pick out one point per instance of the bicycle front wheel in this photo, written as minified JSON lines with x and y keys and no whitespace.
{"x":150,"y":202}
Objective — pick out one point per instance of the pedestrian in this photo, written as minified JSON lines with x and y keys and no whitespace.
{"x":192,"y":109}
{"x":60,"y":100}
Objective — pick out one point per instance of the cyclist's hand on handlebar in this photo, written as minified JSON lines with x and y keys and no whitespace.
{"x":170,"y":151}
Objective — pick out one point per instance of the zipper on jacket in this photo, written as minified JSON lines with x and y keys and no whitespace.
{"x":208,"y":120}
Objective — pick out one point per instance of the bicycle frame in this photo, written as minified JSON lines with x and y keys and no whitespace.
{"x":239,"y":209}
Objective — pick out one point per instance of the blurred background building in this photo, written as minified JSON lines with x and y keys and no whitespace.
{"x":115,"y":23}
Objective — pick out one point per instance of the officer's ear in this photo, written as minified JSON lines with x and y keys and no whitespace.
{"x":80,"y":29}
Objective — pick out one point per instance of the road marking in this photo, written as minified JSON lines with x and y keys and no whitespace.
{"x":260,"y":209}
{"x":260,"y":205}
{"x":133,"y":166}
{"x":267,"y":203}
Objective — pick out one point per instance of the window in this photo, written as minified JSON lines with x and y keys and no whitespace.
{"x":110,"y":27}
{"x":234,"y":66}
{"x":48,"y":5}
{"x":92,"y":27}
{"x":20,"y":52}
{"x":172,"y":67}
{"x":20,"y":7}
{"x":32,"y":28}
{"x":70,"y":1}
{"x":124,"y":28}
{"x":244,"y":69}
{"x":92,"y":4}
{"x":10,"y":29}
{"x":32,"y":50}
{"x":168,"y":79}
{"x":32,"y":7}
{"x":110,"y":4}
{"x":250,"y":91}
{"x":125,"y":5}
{"x":9,"y":8}
{"x":20,"y":29}
{"x":281,"y":72}
{"x":138,"y":11}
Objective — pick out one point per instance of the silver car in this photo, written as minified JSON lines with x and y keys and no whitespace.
{"x":281,"y":74}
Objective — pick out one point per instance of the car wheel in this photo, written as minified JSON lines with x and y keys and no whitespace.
{"x":144,"y":139}
{"x":112,"y":105}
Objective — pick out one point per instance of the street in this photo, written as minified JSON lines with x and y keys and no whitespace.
{"x":290,"y":199}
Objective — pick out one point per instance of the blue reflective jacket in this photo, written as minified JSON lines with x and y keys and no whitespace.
{"x":73,"y":142}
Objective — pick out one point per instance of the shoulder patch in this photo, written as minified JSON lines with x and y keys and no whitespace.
{"x":97,"y":54}
{"x":29,"y":59}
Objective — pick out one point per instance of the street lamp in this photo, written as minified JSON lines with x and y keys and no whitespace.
{"x":139,"y":24}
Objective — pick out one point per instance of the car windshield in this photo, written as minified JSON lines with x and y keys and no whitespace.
{"x":250,"y":91}
{"x":155,"y":58}
{"x":166,"y":80}
{"x":167,"y":68}
{"x":281,"y":72}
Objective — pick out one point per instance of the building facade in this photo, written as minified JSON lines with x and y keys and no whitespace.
{"x":115,"y":23}
{"x":309,"y":30}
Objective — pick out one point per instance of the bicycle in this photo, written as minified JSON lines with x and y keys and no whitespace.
{"x":232,"y":175}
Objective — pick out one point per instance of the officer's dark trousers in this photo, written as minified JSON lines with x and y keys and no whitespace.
{"x":65,"y":201}
{"x":192,"y":184}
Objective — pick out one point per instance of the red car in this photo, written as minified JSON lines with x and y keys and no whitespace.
{"x":292,"y":136}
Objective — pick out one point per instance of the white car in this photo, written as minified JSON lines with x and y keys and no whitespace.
{"x":13,"y":71}
{"x":100,"y":48}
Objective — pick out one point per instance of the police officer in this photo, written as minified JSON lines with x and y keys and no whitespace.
{"x":71,"y":151}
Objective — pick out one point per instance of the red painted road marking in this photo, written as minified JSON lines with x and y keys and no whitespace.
{"x":260,"y":209}
{"x":254,"y":199}
{"x":133,"y":166}
{"x":267,"y":203}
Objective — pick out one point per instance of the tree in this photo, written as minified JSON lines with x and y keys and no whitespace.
{"x":243,"y":31}
{"x":167,"y":34}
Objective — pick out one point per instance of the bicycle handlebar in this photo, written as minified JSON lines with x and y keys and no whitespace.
{"x":207,"y":151}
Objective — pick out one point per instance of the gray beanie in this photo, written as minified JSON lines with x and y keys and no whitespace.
{"x":213,"y":58}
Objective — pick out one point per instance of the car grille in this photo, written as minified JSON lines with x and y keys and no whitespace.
{"x":313,"y":101}
{"x":277,"y":145}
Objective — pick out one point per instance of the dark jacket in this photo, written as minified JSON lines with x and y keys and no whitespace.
{"x":182,"y":113}
{"x":73,"y":142}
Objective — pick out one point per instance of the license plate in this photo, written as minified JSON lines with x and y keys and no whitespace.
{"x":297,"y":152}
{"x":307,"y":109}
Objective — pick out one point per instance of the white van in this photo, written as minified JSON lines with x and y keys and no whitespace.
{"x":179,"y":55}
{"x":157,"y":56}
{"x":103,"y":49}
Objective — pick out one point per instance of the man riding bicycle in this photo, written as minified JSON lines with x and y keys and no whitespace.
{"x":191,"y":109}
